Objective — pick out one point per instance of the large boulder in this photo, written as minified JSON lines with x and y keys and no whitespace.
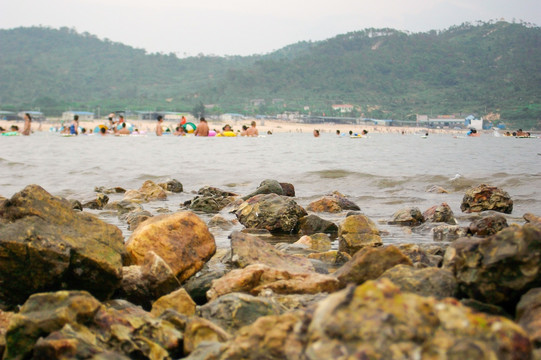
{"x":440,"y":213}
{"x":275,"y":213}
{"x":500,"y":268}
{"x":74,"y":325}
{"x":332,"y":203}
{"x":235,"y":310}
{"x":529,"y":315}
{"x":249,"y":250}
{"x":369,"y":263}
{"x":181,"y":239}
{"x":411,"y":216}
{"x":488,"y":225}
{"x":431,"y":281}
{"x":313,"y":224}
{"x":45,"y":246}
{"x":266,"y":187}
{"x":257,"y":278}
{"x":356,"y":232}
{"x":486,"y":197}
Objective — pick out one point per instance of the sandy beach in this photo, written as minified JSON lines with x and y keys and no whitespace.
{"x":264,"y":126}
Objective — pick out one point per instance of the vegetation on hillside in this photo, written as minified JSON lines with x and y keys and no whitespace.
{"x":484,"y":68}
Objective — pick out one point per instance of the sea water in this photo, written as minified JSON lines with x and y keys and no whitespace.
{"x":382,"y":173}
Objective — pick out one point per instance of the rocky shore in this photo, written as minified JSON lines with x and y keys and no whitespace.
{"x":72,"y":288}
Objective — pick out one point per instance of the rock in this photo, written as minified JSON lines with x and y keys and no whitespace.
{"x":235,"y":310}
{"x":113,"y":190}
{"x":419,"y":257}
{"x":256,"y":278}
{"x":431,"y":281}
{"x":198,"y":285}
{"x":356,"y":232}
{"x":532,"y":219}
{"x":248,"y":250}
{"x":437,"y":190}
{"x":275,"y":213}
{"x":220,"y":222}
{"x":497,"y":269}
{"x":333,"y":258}
{"x":5,"y":318}
{"x":294,"y":301}
{"x":181,"y":239}
{"x":448,"y":232}
{"x":482,"y":307}
{"x":98,"y":203}
{"x":320,"y":242}
{"x":211,"y":200}
{"x":486,"y":197}
{"x":208,"y":350}
{"x":377,"y":320}
{"x":178,"y":300}
{"x":313,"y":224}
{"x":149,"y":191}
{"x":288,"y":189}
{"x":529,"y":315}
{"x":133,"y":288}
{"x":407,"y":217}
{"x":135,"y":218}
{"x":75,"y":205}
{"x":124,"y":206}
{"x":440,"y":213}
{"x":488,"y":225}
{"x":215,"y":192}
{"x":173,"y":185}
{"x":266,"y":187}
{"x":269,"y":337}
{"x":299,"y":250}
{"x":332,"y":203}
{"x":200,"y":330}
{"x":369,"y":264}
{"x":45,"y":245}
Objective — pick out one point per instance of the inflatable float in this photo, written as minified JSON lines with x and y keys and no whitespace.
{"x":227,"y":134}
{"x":10,"y":133}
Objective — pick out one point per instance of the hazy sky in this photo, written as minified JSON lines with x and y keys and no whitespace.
{"x":244,"y":27}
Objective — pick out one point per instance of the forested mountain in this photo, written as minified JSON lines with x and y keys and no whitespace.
{"x":482,"y":68}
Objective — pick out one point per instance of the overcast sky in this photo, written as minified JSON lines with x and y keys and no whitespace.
{"x":245,"y":27}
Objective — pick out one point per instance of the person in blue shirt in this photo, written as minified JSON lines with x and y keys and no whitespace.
{"x":74,"y":128}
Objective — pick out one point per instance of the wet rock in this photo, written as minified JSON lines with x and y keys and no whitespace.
{"x":248,"y":250}
{"x":173,"y":185}
{"x":440,"y":213}
{"x":313,"y":224}
{"x":369,"y":263}
{"x":199,"y":331}
{"x":529,"y":315}
{"x":379,"y":321}
{"x":266,"y":187}
{"x":141,"y":285}
{"x":113,"y":190}
{"x":486,"y":197}
{"x":333,"y":258}
{"x":356,"y":232}
{"x":5,"y":318}
{"x":435,"y":189}
{"x":135,"y":218}
{"x":75,"y":205}
{"x":209,"y":204}
{"x":98,"y":203}
{"x":295,"y":249}
{"x":149,"y":191}
{"x":45,"y":245}
{"x":235,"y":310}
{"x":407,"y":217}
{"x":431,"y":281}
{"x":256,"y":278}
{"x":124,"y":206}
{"x":532,"y":219}
{"x":448,"y":232}
{"x":288,"y":189}
{"x":488,"y":225}
{"x":275,"y":213}
{"x":181,"y":239}
{"x":497,"y":269}
{"x":178,"y":300}
{"x":420,"y":257}
{"x":215,"y":192}
{"x":198,"y":285}
{"x":333,"y":203}
{"x":319,"y":242}
{"x":220,"y":222}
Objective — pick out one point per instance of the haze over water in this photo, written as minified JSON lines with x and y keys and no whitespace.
{"x":381,"y":174}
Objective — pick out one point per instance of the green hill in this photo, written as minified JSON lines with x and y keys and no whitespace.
{"x":484,"y":68}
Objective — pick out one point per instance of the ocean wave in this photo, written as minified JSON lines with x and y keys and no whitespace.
{"x":338,"y":174}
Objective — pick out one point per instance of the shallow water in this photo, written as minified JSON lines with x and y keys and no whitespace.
{"x":382,"y":173}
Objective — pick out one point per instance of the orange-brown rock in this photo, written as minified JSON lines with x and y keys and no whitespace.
{"x":255,"y":278}
{"x":181,"y":239}
{"x":178,"y":300}
{"x":356,"y":232}
{"x":318,"y":242}
{"x":199,"y":330}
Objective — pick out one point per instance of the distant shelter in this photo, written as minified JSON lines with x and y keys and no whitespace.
{"x":83,"y":115}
